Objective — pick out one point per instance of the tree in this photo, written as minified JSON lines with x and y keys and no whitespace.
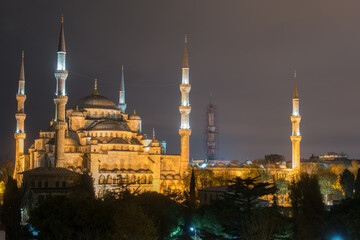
{"x":162,"y":210}
{"x":10,"y":215}
{"x":327,"y":182}
{"x":246,"y":192}
{"x":267,"y":223}
{"x":307,"y":206}
{"x":6,"y":171}
{"x":344,"y":219}
{"x":347,"y":183}
{"x":357,"y":185}
{"x":192,"y":194}
{"x":84,"y":186}
{"x":131,"y":222}
{"x":282,"y":186}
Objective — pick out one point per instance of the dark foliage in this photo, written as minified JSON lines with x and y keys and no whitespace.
{"x":344,"y":220}
{"x":246,"y":193}
{"x":357,"y":185}
{"x":84,"y":186}
{"x":347,"y":183}
{"x":308,"y":207}
{"x":10,"y":214}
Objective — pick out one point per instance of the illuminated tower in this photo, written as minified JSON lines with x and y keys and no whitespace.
{"x":60,"y":99}
{"x":185,"y":110}
{"x":295,"y":136}
{"x":20,"y":116}
{"x":211,"y":132}
{"x":122,"y":103}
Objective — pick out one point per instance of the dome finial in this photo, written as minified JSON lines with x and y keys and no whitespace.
{"x":95,"y":92}
{"x":153,"y":133}
{"x":134,"y":111}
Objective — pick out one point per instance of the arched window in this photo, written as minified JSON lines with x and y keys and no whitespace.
{"x":143,"y":179}
{"x":150,"y":179}
{"x":101,"y":179}
{"x":132,"y":179}
{"x":109,"y":179}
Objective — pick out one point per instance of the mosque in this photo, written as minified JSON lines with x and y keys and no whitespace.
{"x":98,"y":135}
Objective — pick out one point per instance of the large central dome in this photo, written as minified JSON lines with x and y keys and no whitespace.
{"x":96,"y":101}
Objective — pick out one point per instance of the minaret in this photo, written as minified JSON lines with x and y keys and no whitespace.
{"x":60,"y":99}
{"x":211,"y":132}
{"x":122,"y":104}
{"x":185,"y":110}
{"x":20,"y":116}
{"x":295,"y":136}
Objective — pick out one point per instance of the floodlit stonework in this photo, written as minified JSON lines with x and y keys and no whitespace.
{"x":99,"y":136}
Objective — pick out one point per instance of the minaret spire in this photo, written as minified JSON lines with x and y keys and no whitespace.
{"x":20,"y":116}
{"x":122,"y":103}
{"x":61,"y":47}
{"x":60,"y":99}
{"x":296,"y":135}
{"x":185,"y":110}
{"x":296,"y":93}
{"x":185,"y":59}
{"x":21,"y":89}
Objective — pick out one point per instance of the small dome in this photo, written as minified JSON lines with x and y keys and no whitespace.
{"x":96,"y":101}
{"x":134,"y":117}
{"x":110,"y":125}
{"x":70,"y":142}
{"x":77,"y":114}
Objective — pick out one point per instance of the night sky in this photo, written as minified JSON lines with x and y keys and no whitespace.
{"x":244,"y":51}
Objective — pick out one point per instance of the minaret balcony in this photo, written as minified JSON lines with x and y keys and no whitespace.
{"x":185,"y":87}
{"x":185,"y":109}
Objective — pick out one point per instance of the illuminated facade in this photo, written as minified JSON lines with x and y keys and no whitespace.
{"x":295,"y":136}
{"x":99,"y":136}
{"x":20,"y":116}
{"x":185,"y":109}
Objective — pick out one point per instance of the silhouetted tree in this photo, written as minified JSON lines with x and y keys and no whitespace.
{"x":357,"y":185}
{"x":10,"y":214}
{"x":162,"y":210}
{"x":344,"y":220}
{"x":246,"y":192}
{"x":347,"y":183}
{"x":307,"y":206}
{"x":192,"y":194}
{"x":84,"y":186}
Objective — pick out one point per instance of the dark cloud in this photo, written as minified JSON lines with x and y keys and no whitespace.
{"x":244,"y":51}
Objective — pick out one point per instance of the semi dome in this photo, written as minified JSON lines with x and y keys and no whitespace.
{"x":96,"y":101}
{"x":110,"y":125}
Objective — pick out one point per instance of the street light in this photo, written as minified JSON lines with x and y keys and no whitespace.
{"x":193,"y":229}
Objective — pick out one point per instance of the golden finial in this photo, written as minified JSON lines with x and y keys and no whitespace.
{"x":95,"y":92}
{"x":153,"y":133}
{"x":185,"y":38}
{"x":62,"y":18}
{"x":211,"y":96}
{"x":134,"y":111}
{"x":295,"y":74}
{"x":22,"y":54}
{"x":122,"y":67}
{"x":77,"y":108}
